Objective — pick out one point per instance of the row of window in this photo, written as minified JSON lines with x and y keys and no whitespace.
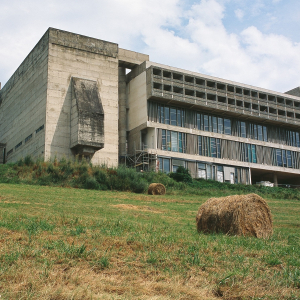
{"x":212,"y":123}
{"x":225,"y":149}
{"x":27,"y":139}
{"x":210,"y":84}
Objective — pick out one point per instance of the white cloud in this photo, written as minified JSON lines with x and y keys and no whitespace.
{"x":239,"y":14}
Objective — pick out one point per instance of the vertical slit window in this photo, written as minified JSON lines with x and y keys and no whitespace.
{"x":255,"y":131}
{"x":279,"y":157}
{"x":164,"y":140}
{"x":289,"y":158}
{"x":218,"y":148}
{"x":254,"y":154}
{"x":227,"y":126}
{"x":249,"y":153}
{"x":265,"y":133}
{"x":213,"y":147}
{"x":162,"y":114}
{"x":260,"y":132}
{"x":215,"y":124}
{"x":206,"y":125}
{"x":220,"y":126}
{"x":297,"y":139}
{"x":179,"y":112}
{"x":174,"y":141}
{"x":168,"y":140}
{"x":166,"y":165}
{"x":180,"y":142}
{"x":284,"y":164}
{"x":198,"y":121}
{"x":167,"y":115}
{"x":173,"y":116}
{"x":208,"y":171}
{"x":200,"y":144}
{"x":243,"y":129}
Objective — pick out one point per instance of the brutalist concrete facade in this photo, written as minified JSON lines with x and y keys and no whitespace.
{"x":76,"y":95}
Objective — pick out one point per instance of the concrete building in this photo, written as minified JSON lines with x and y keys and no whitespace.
{"x":75,"y":95}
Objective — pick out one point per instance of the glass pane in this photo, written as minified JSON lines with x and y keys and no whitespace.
{"x":218,"y":148}
{"x":160,"y":164}
{"x":198,"y":122}
{"x":200,"y":145}
{"x":260,"y":132}
{"x":249,"y":153}
{"x":174,"y":141}
{"x":206,"y":125}
{"x":208,"y":171}
{"x":167,"y":115}
{"x":180,"y":142}
{"x":255,"y":131}
{"x":173,"y":116}
{"x":201,"y":166}
{"x":279,"y":157}
{"x":243,"y":129}
{"x":179,"y":112}
{"x":227,"y":126}
{"x":265,"y":134}
{"x":289,"y":158}
{"x":166,"y":165}
{"x":210,"y":123}
{"x":284,"y":158}
{"x":162,"y":114}
{"x":168,"y":140}
{"x":215,"y":124}
{"x":164,"y":140}
{"x":254,"y":154}
{"x":174,"y":168}
{"x":297,"y":139}
{"x":213,"y":147}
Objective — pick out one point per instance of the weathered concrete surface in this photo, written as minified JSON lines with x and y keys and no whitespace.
{"x":294,"y":92}
{"x":23,"y":105}
{"x":87,"y":117}
{"x":76,"y":56}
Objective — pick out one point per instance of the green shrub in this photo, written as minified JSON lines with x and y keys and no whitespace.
{"x":91,"y":184}
{"x":182,"y":175}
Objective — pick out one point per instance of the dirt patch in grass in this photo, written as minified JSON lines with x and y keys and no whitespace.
{"x":139,"y":208}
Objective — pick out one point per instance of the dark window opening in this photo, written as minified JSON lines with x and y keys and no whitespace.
{"x":28,"y":138}
{"x":157,"y":72}
{"x":272,"y":111}
{"x":19,"y":145}
{"x":221,"y":99}
{"x":262,"y":96}
{"x":167,"y":88}
{"x":10,"y":152}
{"x":177,"y":76}
{"x":157,"y":85}
{"x":39,"y":129}
{"x":238,"y":90}
{"x":254,"y":106}
{"x":272,"y":98}
{"x":230,"y":88}
{"x":200,"y":81}
{"x":211,"y":97}
{"x":166,"y":74}
{"x":280,"y":100}
{"x":246,"y":92}
{"x":253,"y":94}
{"x":290,"y":114}
{"x":281,"y":112}
{"x":221,"y":86}
{"x":231,"y":101}
{"x":247,"y":105}
{"x":297,"y":116}
{"x":263,"y":109}
{"x":189,"y":79}
{"x":289,"y":102}
{"x":177,"y":90}
{"x":297,"y":104}
{"x":189,"y":92}
{"x":211,"y":84}
{"x":200,"y":95}
{"x":239,"y":103}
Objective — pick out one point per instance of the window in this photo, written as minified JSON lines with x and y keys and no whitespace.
{"x":254,"y":154}
{"x":168,"y":140}
{"x":213,"y":147}
{"x":167,"y":115}
{"x":174,"y":141}
{"x":227,"y":126}
{"x":289,"y":159}
{"x":260,"y":132}
{"x":265,"y":134}
{"x":206,"y":124}
{"x":166,"y":165}
{"x":173,"y":116}
{"x":243,"y":129}
{"x":39,"y":129}
{"x":279,"y":157}
{"x":201,"y":170}
{"x":214,"y":124}
{"x":220,"y":126}
{"x":200,"y":144}
{"x":164,"y":140}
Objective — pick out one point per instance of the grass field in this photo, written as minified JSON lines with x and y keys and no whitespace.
{"x":65,"y":243}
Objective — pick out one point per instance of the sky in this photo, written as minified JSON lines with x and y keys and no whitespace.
{"x":256,"y":42}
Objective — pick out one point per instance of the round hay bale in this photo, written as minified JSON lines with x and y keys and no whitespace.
{"x":156,"y":189}
{"x":247,"y":215}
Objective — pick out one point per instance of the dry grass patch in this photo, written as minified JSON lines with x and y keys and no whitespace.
{"x":139,"y":208}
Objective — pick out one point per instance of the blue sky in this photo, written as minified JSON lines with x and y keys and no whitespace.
{"x":254,"y":42}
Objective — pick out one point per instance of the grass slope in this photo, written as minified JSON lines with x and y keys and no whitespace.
{"x":65,"y":243}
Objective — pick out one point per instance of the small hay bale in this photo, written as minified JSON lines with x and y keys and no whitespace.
{"x":156,"y":189}
{"x":247,"y":215}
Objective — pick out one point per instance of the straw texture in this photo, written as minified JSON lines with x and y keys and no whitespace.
{"x":247,"y":215}
{"x":156,"y":189}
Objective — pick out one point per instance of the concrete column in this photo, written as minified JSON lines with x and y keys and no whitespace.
{"x":275,"y":179}
{"x":122,"y":111}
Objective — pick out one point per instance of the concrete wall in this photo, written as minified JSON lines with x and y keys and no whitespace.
{"x":294,"y":92}
{"x":137,"y":101}
{"x":23,"y":105}
{"x":71,"y":55}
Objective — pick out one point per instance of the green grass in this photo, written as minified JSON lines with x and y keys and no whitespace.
{"x":66,"y":243}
